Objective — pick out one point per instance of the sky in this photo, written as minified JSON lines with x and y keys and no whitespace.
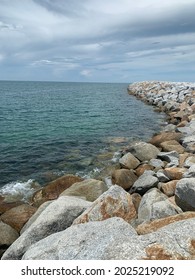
{"x":97,"y":40}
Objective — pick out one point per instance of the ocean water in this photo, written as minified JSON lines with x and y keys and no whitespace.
{"x":48,"y":129}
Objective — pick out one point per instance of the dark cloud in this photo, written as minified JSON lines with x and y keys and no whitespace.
{"x":97,"y":40}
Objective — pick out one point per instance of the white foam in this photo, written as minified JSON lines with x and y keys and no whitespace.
{"x":116,"y":156}
{"x":19,"y":190}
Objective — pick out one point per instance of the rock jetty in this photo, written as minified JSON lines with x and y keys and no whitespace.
{"x":146,"y":213}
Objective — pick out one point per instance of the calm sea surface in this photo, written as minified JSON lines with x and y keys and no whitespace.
{"x":48,"y":129}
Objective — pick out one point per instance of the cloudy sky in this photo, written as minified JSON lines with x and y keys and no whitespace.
{"x":97,"y":40}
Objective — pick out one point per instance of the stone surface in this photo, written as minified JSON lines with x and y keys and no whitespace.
{"x":58,"y":216}
{"x":144,"y":151}
{"x":185,"y":194}
{"x":136,"y":199}
{"x":152,"y":226}
{"x":144,"y":183}
{"x":115,"y":239}
{"x":54,"y":189}
{"x":16,"y":217}
{"x":169,"y":188}
{"x":36,"y":215}
{"x":155,"y":205}
{"x":189,"y":161}
{"x":92,"y":240}
{"x":142,"y":168}
{"x":174,"y":173}
{"x":161,"y":176}
{"x":172,"y":145}
{"x":165,"y":136}
{"x":90,"y":189}
{"x":116,"y":202}
{"x":157,"y":163}
{"x":124,"y":178}
{"x":7,"y":236}
{"x":129,"y":161}
{"x":171,"y":157}
{"x":5,"y":206}
{"x":190,"y":173}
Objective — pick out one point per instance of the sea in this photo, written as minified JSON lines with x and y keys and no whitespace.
{"x":48,"y":129}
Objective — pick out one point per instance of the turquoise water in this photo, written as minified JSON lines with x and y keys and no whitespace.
{"x":48,"y":129}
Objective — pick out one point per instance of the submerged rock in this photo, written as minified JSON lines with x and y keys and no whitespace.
{"x":144,"y":151}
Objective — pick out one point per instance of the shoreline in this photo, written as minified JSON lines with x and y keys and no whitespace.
{"x":152,"y":192}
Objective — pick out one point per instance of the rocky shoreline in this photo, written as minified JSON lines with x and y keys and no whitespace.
{"x":147,"y":213}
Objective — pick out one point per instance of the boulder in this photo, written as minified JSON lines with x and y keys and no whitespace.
{"x":7,"y":236}
{"x":92,"y":241}
{"x":169,"y":188}
{"x":36,"y":215}
{"x":161,"y":176}
{"x":16,"y":217}
{"x":171,"y":157}
{"x":157,"y":163}
{"x":189,"y":161}
{"x":57,"y":216}
{"x":174,"y":173}
{"x":185,"y":194}
{"x":144,"y":183}
{"x":165,"y":136}
{"x":155,"y":205}
{"x":116,"y":202}
{"x":115,"y":239}
{"x":190,"y":173}
{"x":124,"y":178}
{"x":142,"y":168}
{"x":54,"y":189}
{"x":136,"y":199}
{"x":152,"y":226}
{"x":89,"y":189}
{"x":144,"y":151}
{"x":172,"y":145}
{"x":129,"y":161}
{"x":5,"y":206}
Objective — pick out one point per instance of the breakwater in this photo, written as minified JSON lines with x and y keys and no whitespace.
{"x":148,"y":212}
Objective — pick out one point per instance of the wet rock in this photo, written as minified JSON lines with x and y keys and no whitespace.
{"x":54,"y":189}
{"x":116,"y":202}
{"x":16,"y":217}
{"x":124,"y":178}
{"x":58,"y":216}
{"x":89,"y":189}
{"x":129,"y":161}
{"x":185,"y":194}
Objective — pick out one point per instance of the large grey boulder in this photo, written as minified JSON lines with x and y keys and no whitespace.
{"x":144,"y":151}
{"x":185,"y":194}
{"x":144,"y":183}
{"x":90,"y":189}
{"x":58,"y":216}
{"x":116,"y":239}
{"x":155,"y":205}
{"x":116,"y":202}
